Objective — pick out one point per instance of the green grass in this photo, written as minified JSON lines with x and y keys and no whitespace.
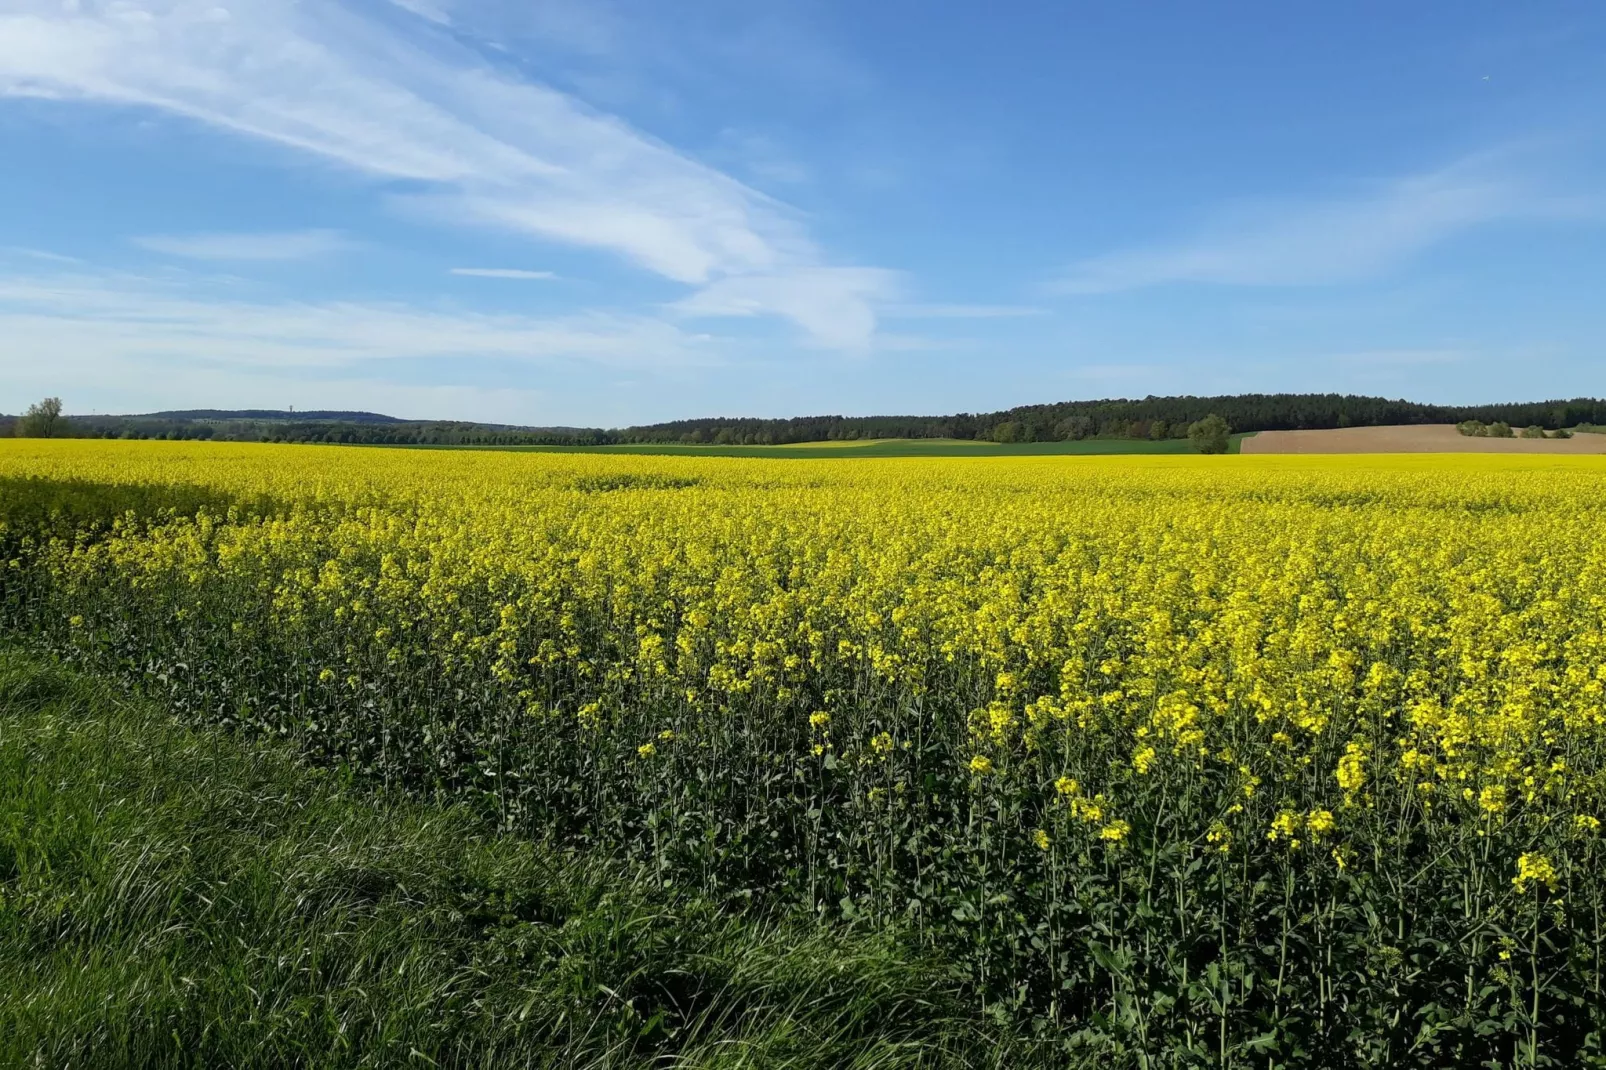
{"x":888,"y":447}
{"x":173,"y":897}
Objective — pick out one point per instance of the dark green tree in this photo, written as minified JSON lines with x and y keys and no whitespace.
{"x":1210,"y":434}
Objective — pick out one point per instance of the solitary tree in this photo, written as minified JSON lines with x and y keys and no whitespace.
{"x":1210,"y":434}
{"x":40,"y":420}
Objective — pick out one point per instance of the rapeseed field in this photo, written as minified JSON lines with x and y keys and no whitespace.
{"x":1179,"y":761}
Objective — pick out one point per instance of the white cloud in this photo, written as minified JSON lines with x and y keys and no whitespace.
{"x":833,"y":304}
{"x":287,"y":245}
{"x":503,"y":273}
{"x":77,"y":326}
{"x":427,"y":9}
{"x":39,"y":254}
{"x":487,"y":148}
{"x":959,"y":312}
{"x":1335,"y":241}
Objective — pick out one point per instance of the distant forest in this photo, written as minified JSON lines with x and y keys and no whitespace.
{"x":1150,"y":417}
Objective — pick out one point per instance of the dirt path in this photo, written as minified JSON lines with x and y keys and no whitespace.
{"x":1415,"y":438}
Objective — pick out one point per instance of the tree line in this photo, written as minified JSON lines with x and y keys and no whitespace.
{"x":1150,"y":417}
{"x":44,"y":420}
{"x":1144,"y":418}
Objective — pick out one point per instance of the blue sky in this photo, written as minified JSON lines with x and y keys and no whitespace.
{"x":604,"y":212}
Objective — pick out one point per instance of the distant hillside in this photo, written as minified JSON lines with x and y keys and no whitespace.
{"x":319,"y":415}
{"x":316,"y":425}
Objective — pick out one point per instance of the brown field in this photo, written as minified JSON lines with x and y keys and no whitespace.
{"x":1417,"y":438}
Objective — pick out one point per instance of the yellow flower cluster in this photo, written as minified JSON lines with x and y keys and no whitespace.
{"x":1078,"y":643}
{"x":1532,"y":870}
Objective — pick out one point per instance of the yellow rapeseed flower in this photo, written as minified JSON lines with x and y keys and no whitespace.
{"x":1534,"y":869}
{"x":1351,"y":772}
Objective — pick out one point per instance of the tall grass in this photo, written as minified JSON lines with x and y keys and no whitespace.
{"x":174,"y":897}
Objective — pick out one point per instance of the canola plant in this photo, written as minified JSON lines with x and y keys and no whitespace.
{"x":1232,"y":761}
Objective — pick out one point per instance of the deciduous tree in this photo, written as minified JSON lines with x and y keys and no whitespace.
{"x":41,"y":419}
{"x":1209,"y":435}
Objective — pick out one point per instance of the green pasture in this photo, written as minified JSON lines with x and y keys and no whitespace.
{"x":892,"y":447}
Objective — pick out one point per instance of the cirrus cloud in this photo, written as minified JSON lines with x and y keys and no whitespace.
{"x":1339,"y":240}
{"x":472,"y":141}
{"x":502,"y":273}
{"x":287,"y":245}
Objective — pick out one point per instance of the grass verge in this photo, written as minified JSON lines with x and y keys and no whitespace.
{"x":177,"y":897}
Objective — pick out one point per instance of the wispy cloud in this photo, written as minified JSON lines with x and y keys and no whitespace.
{"x":39,"y":254}
{"x":432,"y":10}
{"x":835,"y":305}
{"x":1334,"y":241}
{"x":90,"y":321}
{"x":287,"y":245}
{"x":411,"y":104}
{"x":502,"y":273}
{"x":959,"y":312}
